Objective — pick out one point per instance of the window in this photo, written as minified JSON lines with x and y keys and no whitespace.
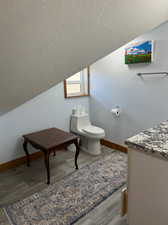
{"x":77,"y":85}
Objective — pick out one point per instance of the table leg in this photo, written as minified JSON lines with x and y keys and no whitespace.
{"x":77,"y":153}
{"x":26,"y":151}
{"x":47,"y":164}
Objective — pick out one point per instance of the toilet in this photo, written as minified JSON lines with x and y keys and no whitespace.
{"x":89,"y":135}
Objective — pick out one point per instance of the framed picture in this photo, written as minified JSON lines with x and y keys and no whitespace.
{"x":140,"y":52}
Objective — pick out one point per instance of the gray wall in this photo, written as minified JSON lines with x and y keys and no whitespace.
{"x":143,"y":100}
{"x":49,"y":109}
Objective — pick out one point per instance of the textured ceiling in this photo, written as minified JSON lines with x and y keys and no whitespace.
{"x":44,"y":41}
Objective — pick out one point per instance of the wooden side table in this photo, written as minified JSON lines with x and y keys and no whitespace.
{"x":50,"y":140}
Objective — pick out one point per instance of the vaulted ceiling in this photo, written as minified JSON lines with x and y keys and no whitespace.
{"x":44,"y":41}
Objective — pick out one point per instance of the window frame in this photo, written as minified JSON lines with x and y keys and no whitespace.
{"x":73,"y":82}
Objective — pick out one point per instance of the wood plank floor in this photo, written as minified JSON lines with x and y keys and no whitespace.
{"x":20,"y":182}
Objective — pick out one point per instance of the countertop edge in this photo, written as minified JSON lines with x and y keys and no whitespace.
{"x":151,"y":152}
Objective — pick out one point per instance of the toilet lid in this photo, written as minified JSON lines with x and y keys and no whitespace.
{"x":93,"y":130}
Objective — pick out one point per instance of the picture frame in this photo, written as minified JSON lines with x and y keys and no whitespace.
{"x":139,"y":52}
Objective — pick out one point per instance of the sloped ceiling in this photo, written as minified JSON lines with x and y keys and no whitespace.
{"x":44,"y":41}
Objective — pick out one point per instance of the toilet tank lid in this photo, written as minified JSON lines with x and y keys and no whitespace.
{"x":93,"y":130}
{"x":79,"y":115}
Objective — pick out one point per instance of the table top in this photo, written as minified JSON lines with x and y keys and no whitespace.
{"x":49,"y":138}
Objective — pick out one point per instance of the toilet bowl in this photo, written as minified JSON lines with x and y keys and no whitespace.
{"x":89,"y":135}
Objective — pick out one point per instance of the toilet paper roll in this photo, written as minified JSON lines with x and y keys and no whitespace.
{"x":116,"y":112}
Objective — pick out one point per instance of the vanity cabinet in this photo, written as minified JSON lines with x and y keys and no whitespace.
{"x":148,"y":177}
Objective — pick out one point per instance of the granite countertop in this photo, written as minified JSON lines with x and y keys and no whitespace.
{"x":153,"y":141}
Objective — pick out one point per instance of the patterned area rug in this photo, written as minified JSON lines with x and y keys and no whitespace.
{"x":68,"y":200}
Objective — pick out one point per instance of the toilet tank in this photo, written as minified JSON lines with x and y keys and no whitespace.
{"x":78,"y":122}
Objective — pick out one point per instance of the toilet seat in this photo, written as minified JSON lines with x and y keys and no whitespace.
{"x":93,"y":130}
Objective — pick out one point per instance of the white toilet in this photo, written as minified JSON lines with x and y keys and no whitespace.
{"x":89,"y":135}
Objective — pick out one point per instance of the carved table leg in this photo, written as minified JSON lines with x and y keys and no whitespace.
{"x":26,"y":151}
{"x":77,"y":153}
{"x":47,"y":164}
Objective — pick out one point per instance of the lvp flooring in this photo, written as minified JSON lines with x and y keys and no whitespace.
{"x":20,"y":182}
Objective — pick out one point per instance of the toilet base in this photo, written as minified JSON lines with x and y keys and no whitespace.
{"x":91,"y":146}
